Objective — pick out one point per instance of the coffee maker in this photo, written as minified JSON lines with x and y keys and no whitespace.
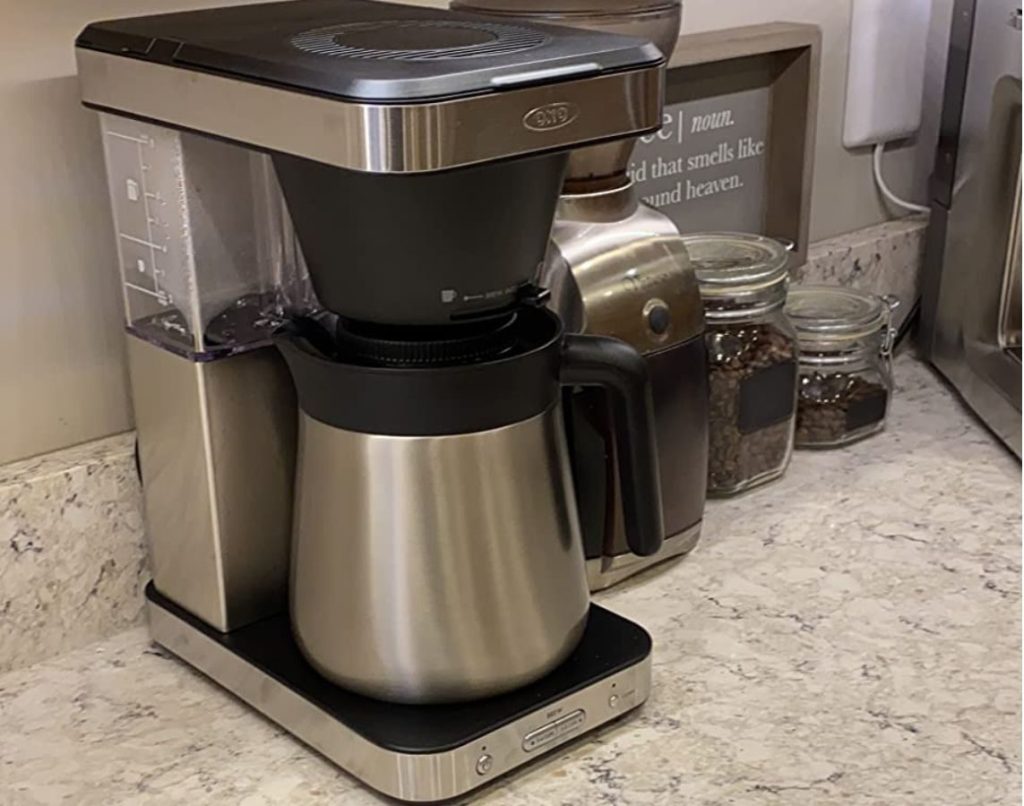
{"x":618,"y":268}
{"x":438,"y":631}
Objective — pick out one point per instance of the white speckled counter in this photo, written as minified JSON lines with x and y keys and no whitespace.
{"x":848,"y":635}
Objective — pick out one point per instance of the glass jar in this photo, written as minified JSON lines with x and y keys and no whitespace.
{"x":846,"y":339}
{"x":752,"y":357}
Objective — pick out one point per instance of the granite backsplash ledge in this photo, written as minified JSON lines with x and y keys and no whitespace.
{"x":72,"y":550}
{"x":883,"y":259}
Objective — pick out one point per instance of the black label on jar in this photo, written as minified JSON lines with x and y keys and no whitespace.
{"x":767,"y":397}
{"x":866,"y":409}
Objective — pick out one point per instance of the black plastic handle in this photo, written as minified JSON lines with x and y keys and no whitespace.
{"x":620,"y":369}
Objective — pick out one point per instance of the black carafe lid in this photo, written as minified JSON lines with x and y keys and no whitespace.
{"x":387,"y":384}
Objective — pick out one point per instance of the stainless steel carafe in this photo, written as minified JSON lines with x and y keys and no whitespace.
{"x":437,"y":552}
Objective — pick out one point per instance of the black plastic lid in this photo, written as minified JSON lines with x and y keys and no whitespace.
{"x":420,"y":398}
{"x":392,"y":52}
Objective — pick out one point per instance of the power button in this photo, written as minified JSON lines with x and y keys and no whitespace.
{"x":658,"y":316}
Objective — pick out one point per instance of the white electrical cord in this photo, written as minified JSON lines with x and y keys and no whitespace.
{"x":884,"y":188}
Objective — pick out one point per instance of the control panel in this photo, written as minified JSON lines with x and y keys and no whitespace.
{"x":556,"y":729}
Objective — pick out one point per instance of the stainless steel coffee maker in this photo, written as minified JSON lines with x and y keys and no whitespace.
{"x":439,"y":632}
{"x":618,"y":268}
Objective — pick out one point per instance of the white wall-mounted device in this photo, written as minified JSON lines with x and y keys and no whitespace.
{"x":885,"y":75}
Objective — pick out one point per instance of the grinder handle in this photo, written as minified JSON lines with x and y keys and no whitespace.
{"x":622,"y":371}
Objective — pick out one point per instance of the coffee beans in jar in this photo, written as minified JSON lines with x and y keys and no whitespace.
{"x":845,"y":363}
{"x":752,"y":376}
{"x":834,"y":405}
{"x":752,"y":358}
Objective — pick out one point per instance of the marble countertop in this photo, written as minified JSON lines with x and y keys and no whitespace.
{"x":849,"y":634}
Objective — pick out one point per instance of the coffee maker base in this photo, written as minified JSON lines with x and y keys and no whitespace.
{"x":416,"y":753}
{"x":605,"y":571}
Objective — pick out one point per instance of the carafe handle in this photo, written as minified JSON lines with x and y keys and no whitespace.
{"x":622,"y":371}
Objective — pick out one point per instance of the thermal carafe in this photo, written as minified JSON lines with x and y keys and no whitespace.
{"x":437,"y":552}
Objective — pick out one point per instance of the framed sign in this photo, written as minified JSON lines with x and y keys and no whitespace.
{"x":736,"y":148}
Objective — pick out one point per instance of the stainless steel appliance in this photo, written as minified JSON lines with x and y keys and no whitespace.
{"x":617,"y":268}
{"x":415,"y":148}
{"x":626,"y":275}
{"x":971,"y":306}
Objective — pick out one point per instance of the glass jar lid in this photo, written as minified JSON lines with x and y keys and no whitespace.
{"x":732,"y":263}
{"x":823,"y":313}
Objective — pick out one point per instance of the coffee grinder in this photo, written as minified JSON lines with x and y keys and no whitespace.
{"x":618,"y":268}
{"x":420,"y":153}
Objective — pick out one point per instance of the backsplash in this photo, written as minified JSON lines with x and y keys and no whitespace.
{"x":883,"y":259}
{"x":72,"y":550}
{"x":72,"y":546}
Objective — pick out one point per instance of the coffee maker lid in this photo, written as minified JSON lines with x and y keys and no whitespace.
{"x":367,"y":51}
{"x":373,"y":87}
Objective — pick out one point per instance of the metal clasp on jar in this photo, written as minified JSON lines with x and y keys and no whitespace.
{"x":889,"y":337}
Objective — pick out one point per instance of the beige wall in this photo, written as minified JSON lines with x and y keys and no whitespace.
{"x":60,"y":318}
{"x":61,"y":352}
{"x":844,"y":197}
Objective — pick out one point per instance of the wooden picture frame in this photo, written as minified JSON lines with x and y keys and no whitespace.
{"x":783,"y":58}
